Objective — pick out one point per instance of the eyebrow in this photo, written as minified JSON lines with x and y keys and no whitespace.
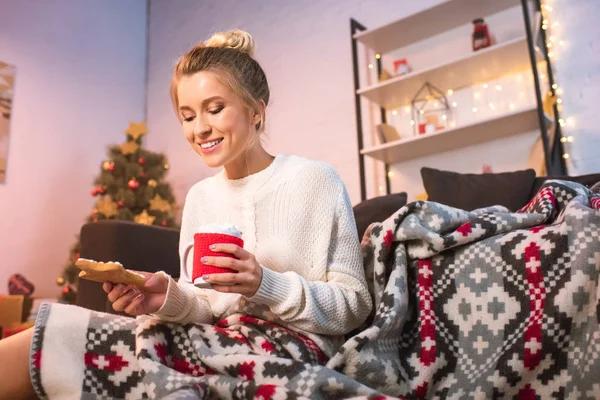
{"x":204,"y":102}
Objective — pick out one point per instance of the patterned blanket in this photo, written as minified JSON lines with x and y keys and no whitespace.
{"x":488,"y":304}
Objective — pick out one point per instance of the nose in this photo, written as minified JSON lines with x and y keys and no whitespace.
{"x":201,"y":127}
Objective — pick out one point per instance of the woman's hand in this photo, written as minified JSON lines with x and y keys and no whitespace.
{"x":246,"y":282}
{"x":138,"y":300}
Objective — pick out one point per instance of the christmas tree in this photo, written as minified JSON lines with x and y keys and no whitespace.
{"x":130,"y":187}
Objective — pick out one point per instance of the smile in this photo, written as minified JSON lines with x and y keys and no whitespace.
{"x":208,"y":147}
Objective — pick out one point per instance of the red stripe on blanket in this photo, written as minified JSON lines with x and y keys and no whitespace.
{"x":595,"y":202}
{"x":107,"y":363}
{"x":428,"y":348}
{"x":537,"y":295}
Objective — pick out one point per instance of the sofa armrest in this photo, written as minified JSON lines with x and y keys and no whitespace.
{"x":138,"y":247}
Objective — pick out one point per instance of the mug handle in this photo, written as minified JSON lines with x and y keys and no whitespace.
{"x":184,"y":271}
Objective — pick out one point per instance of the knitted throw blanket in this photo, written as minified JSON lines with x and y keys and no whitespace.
{"x":487,"y":304}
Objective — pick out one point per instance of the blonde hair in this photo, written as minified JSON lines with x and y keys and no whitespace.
{"x":230,"y":56}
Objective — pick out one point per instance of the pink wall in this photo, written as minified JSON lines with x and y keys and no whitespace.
{"x":80,"y":80}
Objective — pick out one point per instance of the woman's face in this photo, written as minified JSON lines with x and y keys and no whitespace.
{"x":216,"y":122}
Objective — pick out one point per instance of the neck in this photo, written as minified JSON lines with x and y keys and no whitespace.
{"x":250,"y":162}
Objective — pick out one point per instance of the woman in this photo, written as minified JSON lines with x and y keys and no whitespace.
{"x":300,"y":269}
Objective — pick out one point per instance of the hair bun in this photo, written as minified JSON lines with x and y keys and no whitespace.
{"x":235,"y":39}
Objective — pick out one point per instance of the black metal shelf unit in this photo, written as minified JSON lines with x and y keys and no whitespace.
{"x":553,"y":151}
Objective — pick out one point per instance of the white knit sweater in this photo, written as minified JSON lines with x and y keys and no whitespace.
{"x":296,"y":218}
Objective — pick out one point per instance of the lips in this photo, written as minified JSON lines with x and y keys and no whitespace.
{"x":211,"y":145}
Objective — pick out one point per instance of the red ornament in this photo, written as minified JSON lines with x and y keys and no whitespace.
{"x":77,"y":256}
{"x":164,"y":223}
{"x":66,"y":290}
{"x":94,"y":191}
{"x":133,"y":184}
{"x":95,"y":219}
{"x":121,"y":203}
{"x":111,"y":167}
{"x":141,"y":161}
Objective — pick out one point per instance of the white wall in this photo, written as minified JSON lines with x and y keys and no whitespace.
{"x":304,"y":48}
{"x":80,"y":79}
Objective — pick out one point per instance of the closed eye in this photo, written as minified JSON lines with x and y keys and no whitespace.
{"x":216,"y":110}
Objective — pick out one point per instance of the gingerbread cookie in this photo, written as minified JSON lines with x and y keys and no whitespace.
{"x":109,"y":271}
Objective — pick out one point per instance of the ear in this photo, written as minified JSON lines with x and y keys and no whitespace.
{"x":256,"y":115}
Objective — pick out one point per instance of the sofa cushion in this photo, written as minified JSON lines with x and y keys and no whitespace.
{"x":586,"y":180}
{"x":377,"y":210}
{"x":472,"y":191}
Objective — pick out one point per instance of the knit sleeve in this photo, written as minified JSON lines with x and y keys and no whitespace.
{"x":340,"y":302}
{"x":185,"y":303}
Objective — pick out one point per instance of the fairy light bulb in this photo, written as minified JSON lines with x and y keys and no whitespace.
{"x":551,"y":54}
{"x":444,"y":117}
{"x":563,"y":140}
{"x":485,"y":85}
{"x":378,"y":56}
{"x":570,"y":121}
{"x":543,"y":76}
{"x":412,"y":121}
{"x":570,"y":139}
{"x":498,"y":87}
{"x":474,"y":109}
{"x":390,"y":174}
{"x":454,"y":104}
{"x":370,"y":66}
{"x":477,"y":95}
{"x":561,"y":122}
{"x":554,"y":86}
{"x":492,"y":106}
{"x":421,"y":112}
{"x":511,"y":106}
{"x":559,"y":101}
{"x":566,"y":155}
{"x":407,"y":109}
{"x":395,"y":112}
{"x":450,"y":91}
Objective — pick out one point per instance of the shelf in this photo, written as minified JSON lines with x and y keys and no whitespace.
{"x":419,"y":26}
{"x":454,"y":138}
{"x":480,"y":66}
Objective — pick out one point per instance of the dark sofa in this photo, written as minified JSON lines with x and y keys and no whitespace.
{"x":151,"y":248}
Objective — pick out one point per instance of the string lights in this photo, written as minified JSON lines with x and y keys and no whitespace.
{"x":551,"y":24}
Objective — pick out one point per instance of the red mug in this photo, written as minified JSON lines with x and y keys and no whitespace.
{"x":200,"y":245}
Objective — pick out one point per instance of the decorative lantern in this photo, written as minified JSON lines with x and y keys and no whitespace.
{"x":431,"y":111}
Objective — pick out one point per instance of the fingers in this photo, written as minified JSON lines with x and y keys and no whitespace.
{"x":232,"y":249}
{"x":225,"y":278}
{"x":136,"y":306}
{"x":224,"y":262}
{"x":124,"y":300}
{"x":108,"y":286}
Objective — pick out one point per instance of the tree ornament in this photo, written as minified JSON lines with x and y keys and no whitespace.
{"x":141,"y":161}
{"x":121,"y":203}
{"x":108,"y":166}
{"x":95,"y":220}
{"x":60,"y":281}
{"x":144,"y":218}
{"x":94,"y":192}
{"x":129,"y":148}
{"x":107,"y":207}
{"x":164,"y":223}
{"x":159,"y":204}
{"x":133,"y":184}
{"x":152,"y":183}
{"x":136,"y":130}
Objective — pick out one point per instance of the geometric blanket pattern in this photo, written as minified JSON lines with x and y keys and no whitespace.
{"x":486,"y":304}
{"x":482,"y":304}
